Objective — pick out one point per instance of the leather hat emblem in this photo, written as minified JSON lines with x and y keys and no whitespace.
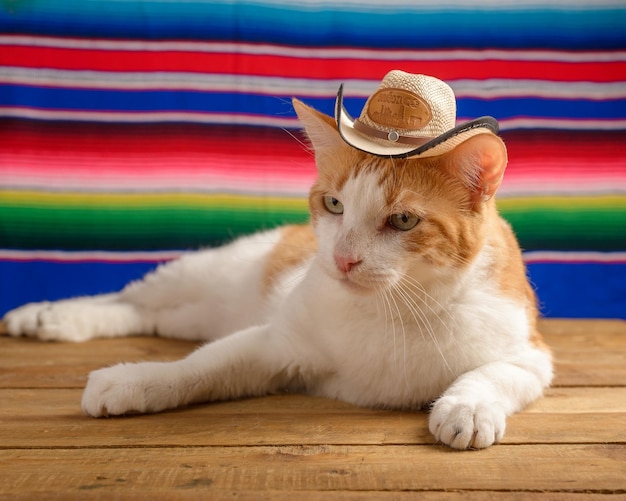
{"x":398,"y":108}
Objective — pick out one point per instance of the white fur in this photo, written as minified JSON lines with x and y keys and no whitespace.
{"x":392,"y":331}
{"x":449,"y":337}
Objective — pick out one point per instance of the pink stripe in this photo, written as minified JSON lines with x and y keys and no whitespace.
{"x":552,"y":257}
{"x":262,"y":160}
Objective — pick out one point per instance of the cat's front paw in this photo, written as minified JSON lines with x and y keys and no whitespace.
{"x":130,"y":389}
{"x":62,"y":321}
{"x":465,"y":424}
{"x":25,"y":320}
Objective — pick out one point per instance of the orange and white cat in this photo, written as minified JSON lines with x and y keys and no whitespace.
{"x":406,"y":290}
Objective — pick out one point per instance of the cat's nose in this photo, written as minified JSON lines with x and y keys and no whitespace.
{"x":346,"y":263}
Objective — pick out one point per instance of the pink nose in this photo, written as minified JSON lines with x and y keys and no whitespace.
{"x":346,"y":263}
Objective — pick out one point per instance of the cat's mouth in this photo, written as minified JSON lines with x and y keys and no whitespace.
{"x":361,"y":283}
{"x":359,"y":280}
{"x":354,"y":286}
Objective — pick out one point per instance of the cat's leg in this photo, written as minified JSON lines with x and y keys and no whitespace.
{"x":472,"y":412}
{"x":251,"y":362}
{"x":77,"y":319}
{"x":200,"y":296}
{"x":208,"y":294}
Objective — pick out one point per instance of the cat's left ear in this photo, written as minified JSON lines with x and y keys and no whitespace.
{"x":480,"y":161}
{"x":320,"y":128}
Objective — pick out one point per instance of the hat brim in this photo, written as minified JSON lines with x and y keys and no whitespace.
{"x":436,"y":146}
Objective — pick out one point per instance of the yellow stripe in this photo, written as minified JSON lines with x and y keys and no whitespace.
{"x":146,"y":200}
{"x":32,"y":198}
{"x":615,"y":202}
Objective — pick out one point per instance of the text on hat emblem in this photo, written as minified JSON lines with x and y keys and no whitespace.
{"x":398,"y":108}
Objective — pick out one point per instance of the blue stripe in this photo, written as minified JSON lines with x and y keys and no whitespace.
{"x":580,"y":290}
{"x":402,"y":27}
{"x":227,"y":102}
{"x":565,"y":290}
{"x":538,"y":107}
{"x":29,"y":281}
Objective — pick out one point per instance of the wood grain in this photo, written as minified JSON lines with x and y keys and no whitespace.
{"x":568,"y":446}
{"x":322,"y":467}
{"x":293,"y":420}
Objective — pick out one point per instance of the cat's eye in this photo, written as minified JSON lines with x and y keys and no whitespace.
{"x":404,"y":222}
{"x":333,"y":205}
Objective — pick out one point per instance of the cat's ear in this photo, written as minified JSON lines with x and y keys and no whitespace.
{"x":320,"y":128}
{"x":480,"y":162}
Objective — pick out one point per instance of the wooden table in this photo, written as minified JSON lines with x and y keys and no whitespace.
{"x":568,"y":446}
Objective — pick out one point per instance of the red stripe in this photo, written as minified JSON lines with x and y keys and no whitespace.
{"x":56,"y":138}
{"x":241,"y":151}
{"x":294,"y":67}
{"x":189,"y":138}
{"x":540,"y":144}
{"x":571,"y":156}
{"x":138,"y":150}
{"x":123,"y":139}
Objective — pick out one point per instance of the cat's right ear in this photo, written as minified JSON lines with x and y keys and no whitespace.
{"x":479,"y":163}
{"x":320,"y":128}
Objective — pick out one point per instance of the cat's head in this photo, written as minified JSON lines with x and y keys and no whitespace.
{"x":380,"y":219}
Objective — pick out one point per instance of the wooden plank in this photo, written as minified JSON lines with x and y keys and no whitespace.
{"x":590,"y":468}
{"x":28,"y":363}
{"x":581,"y":400}
{"x":587,"y":353}
{"x":52,"y":418}
{"x":436,"y":495}
{"x":562,"y":448}
{"x":579,"y":326}
{"x":202,"y":492}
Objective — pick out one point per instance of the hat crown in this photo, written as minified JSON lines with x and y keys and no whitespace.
{"x":418,"y":106}
{"x":408,"y":116}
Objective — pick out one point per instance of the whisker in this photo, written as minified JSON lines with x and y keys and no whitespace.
{"x":306,"y":145}
{"x":409,"y":282}
{"x":388,"y":314}
{"x":420,"y":317}
{"x":404,"y":364}
{"x":413,"y":283}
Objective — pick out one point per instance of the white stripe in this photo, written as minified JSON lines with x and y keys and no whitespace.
{"x":203,"y":185}
{"x":316,"y":52}
{"x":503,"y":88}
{"x":94,"y":256}
{"x":178,"y":81}
{"x":207,"y":187}
{"x":269,"y":121}
{"x":554,"y":123}
{"x":574,"y":257}
{"x":158,"y":256}
{"x":512,"y":190}
{"x":280,"y":86}
{"x":149,"y":117}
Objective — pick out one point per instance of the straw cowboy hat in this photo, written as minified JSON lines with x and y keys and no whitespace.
{"x":408,"y":116}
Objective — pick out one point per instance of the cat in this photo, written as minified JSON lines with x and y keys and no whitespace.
{"x":407,"y":290}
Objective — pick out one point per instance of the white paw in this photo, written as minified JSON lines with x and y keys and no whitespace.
{"x":131,"y":389}
{"x":466,"y":424}
{"x":61,"y":321}
{"x":24,"y":321}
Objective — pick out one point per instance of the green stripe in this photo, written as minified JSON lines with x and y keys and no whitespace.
{"x":50,"y":222}
{"x":128,"y":229}
{"x":568,"y":223}
{"x":602,"y":230}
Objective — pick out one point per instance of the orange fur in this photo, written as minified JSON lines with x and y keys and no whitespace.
{"x":297,"y":243}
{"x":416,"y":294}
{"x":449,"y":234}
{"x":452,"y":193}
